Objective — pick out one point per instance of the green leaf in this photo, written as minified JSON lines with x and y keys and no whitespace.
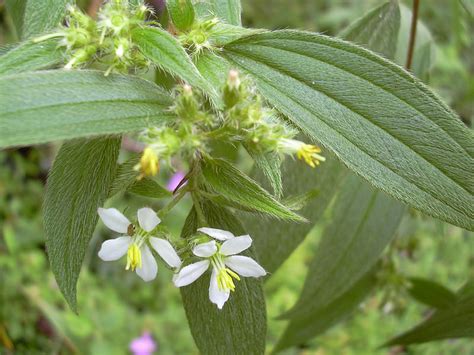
{"x":181,"y":13}
{"x":30,"y":56}
{"x":149,"y":188}
{"x":456,"y":321}
{"x":240,"y":327}
{"x":227,"y":10}
{"x":165,"y":51}
{"x":383,"y":123}
{"x":431,"y":293}
{"x":299,"y":180}
{"x":126,"y":179}
{"x":377,"y":30}
{"x":276,"y":240}
{"x":213,"y":67}
{"x":234,"y":185}
{"x":77,"y":185}
{"x":363,"y":223}
{"x":269,"y":164}
{"x":125,"y":175}
{"x":45,"y":106}
{"x":33,"y":17}
{"x":302,"y":329}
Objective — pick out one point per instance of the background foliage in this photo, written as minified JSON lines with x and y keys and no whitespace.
{"x":114,"y":308}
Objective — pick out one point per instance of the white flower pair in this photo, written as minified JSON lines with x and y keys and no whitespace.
{"x":219,"y":253}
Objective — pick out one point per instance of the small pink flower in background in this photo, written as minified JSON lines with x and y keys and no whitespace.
{"x":175,"y":180}
{"x":145,"y":345}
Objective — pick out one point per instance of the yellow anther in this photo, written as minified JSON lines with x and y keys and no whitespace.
{"x":134,"y":257}
{"x":309,"y":153}
{"x":225,"y":281}
{"x":149,"y":163}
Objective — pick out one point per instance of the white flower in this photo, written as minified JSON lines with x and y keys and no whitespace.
{"x":135,"y":243}
{"x":226,"y":265}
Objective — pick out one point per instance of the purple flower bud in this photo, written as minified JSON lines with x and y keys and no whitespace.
{"x":175,"y":180}
{"x":144,"y":345}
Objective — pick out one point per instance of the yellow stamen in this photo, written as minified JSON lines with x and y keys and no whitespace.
{"x":309,"y":153}
{"x":224,"y":279}
{"x":134,"y":257}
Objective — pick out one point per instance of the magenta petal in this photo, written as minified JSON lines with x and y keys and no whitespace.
{"x":175,"y":180}
{"x":145,"y":345}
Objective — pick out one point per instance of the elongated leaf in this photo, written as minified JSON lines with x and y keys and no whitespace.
{"x":431,"y":293}
{"x":240,"y":327}
{"x":165,"y":51}
{"x":364,"y":222}
{"x":456,"y":321}
{"x":149,"y":188}
{"x":30,"y":56}
{"x":302,"y":329}
{"x":77,"y":185}
{"x":224,"y":179}
{"x":213,"y":67}
{"x":227,"y":10}
{"x":46,"y":106}
{"x":382,"y":122}
{"x":33,"y":17}
{"x":325,"y":179}
{"x":276,"y":240}
{"x":377,"y":30}
{"x":269,"y":164}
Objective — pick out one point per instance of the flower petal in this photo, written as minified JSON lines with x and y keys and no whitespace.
{"x":114,"y":219}
{"x":147,"y":219}
{"x":236,"y":245}
{"x":205,"y":250}
{"x":245,"y":266}
{"x":190,"y":273}
{"x":114,"y":249}
{"x":149,"y":267}
{"x":217,"y":296}
{"x":215,"y":233}
{"x":166,"y":251}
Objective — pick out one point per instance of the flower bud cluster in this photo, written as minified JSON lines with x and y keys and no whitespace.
{"x":244,"y":119}
{"x":108,"y":39}
{"x":198,"y":37}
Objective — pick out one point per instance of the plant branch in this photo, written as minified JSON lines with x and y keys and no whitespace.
{"x":411,"y":43}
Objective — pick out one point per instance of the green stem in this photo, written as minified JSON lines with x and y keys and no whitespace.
{"x":165,"y":210}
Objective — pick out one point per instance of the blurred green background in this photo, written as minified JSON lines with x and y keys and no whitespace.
{"x":116,"y":306}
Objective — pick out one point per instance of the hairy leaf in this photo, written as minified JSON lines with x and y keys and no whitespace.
{"x":77,"y":185}
{"x":33,"y":17}
{"x":377,"y":30}
{"x":45,"y":106}
{"x":148,"y":188}
{"x":276,"y":240}
{"x":29,"y":56}
{"x":165,"y":51}
{"x":181,"y":13}
{"x":227,"y":10}
{"x":431,"y":293}
{"x":269,"y":164}
{"x":363,"y":223}
{"x":380,"y":121}
{"x":456,"y":321}
{"x":240,"y":327}
{"x":302,"y":329}
{"x":234,"y":185}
